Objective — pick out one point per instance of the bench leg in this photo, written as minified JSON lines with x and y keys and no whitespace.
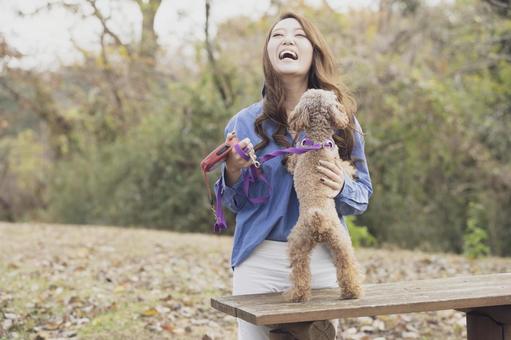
{"x":489,"y":323}
{"x":316,"y":330}
{"x":280,"y":334}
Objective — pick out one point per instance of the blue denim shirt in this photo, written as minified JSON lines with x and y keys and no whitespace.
{"x":274,"y":219}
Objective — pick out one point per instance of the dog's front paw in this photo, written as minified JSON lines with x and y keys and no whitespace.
{"x":297,"y":295}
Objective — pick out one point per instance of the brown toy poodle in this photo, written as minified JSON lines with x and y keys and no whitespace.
{"x":319,"y":113}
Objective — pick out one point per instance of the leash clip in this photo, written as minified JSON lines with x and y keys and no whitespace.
{"x":253,"y":157}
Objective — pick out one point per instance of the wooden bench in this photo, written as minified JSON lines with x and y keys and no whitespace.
{"x":486,"y":300}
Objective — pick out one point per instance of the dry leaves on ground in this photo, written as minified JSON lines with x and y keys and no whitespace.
{"x":92,"y":282}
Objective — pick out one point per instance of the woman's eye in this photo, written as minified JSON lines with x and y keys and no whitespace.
{"x":301,"y":35}
{"x":277,"y":35}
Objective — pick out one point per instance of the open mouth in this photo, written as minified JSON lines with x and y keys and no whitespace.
{"x":288,"y":55}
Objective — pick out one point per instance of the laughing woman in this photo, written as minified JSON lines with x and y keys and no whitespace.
{"x":296,"y":58}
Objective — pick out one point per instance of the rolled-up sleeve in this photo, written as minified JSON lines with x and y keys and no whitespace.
{"x":354,"y":197}
{"x":232,"y":196}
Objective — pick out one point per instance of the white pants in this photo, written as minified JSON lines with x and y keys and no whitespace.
{"x":267,"y":270}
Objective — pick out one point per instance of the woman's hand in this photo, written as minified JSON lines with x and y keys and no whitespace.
{"x":332,"y":176}
{"x":234,"y":162}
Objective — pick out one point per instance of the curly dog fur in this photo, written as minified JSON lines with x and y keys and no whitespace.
{"x":319,"y":113}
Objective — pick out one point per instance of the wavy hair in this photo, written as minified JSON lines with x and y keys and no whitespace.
{"x":322,"y":75}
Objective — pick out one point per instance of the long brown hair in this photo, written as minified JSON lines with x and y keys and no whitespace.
{"x":322,"y":75}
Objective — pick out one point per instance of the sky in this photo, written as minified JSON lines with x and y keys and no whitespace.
{"x":46,"y":38}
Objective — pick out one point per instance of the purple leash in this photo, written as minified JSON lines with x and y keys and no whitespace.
{"x":256,"y":173}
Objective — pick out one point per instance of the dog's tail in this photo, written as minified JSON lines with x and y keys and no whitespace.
{"x":316,"y":221}
{"x":314,"y":217}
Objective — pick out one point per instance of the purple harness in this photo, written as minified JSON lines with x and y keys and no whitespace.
{"x":255,"y":173}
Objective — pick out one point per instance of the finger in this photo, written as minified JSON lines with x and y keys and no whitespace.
{"x":329,"y":174}
{"x":332,"y":166}
{"x":247,"y":149}
{"x":244,"y":142}
{"x":331,"y":184}
{"x":241,"y":153}
{"x":242,"y":145}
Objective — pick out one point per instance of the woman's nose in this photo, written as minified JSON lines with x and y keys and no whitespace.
{"x":288,"y":41}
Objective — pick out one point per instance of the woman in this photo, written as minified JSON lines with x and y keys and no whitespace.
{"x":296,"y":58}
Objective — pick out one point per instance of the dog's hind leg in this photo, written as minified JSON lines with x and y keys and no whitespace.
{"x":300,"y":245}
{"x":348,"y":274}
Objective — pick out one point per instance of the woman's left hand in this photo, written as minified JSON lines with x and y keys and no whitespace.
{"x":332,"y":176}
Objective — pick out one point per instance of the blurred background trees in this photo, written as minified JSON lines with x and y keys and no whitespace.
{"x":117,"y":137}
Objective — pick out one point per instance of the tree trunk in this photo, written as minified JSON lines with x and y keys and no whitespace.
{"x":148,"y":42}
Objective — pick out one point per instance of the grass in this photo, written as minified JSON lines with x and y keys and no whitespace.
{"x":100,"y":282}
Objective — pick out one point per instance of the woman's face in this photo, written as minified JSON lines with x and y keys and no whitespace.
{"x":289,"y":49}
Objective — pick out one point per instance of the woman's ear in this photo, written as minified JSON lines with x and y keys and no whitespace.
{"x":338,"y":116}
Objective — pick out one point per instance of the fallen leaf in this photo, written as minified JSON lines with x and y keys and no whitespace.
{"x":119,"y":289}
{"x":52,"y":326}
{"x":150,"y":312}
{"x":167,"y":327}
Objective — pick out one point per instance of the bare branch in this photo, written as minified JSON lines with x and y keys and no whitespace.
{"x":75,"y":8}
{"x":16,"y":96}
{"x":217,"y":77}
{"x":75,"y":44}
{"x":103,"y":20}
{"x":500,"y":4}
{"x":326,"y":5}
{"x":8,"y":51}
{"x":107,"y":70}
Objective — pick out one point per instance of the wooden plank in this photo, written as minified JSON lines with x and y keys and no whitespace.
{"x":379,"y":299}
{"x":392,"y":291}
{"x":382,"y":304}
{"x":373,"y":289}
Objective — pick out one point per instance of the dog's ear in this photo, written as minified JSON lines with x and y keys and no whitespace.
{"x":338,"y":116}
{"x":297,"y":119}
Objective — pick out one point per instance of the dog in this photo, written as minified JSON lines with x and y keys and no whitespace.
{"x":319,"y":114}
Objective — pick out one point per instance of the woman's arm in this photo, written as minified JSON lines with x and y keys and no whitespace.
{"x":231,"y":181}
{"x":232,"y":195}
{"x":353,"y":199}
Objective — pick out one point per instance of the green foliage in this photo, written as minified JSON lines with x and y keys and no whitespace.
{"x":360,"y":236}
{"x":114,"y":140}
{"x":150,"y":176}
{"x":475,"y":236}
{"x":25,"y":168}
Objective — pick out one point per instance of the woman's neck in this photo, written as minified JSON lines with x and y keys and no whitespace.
{"x":294,"y":89}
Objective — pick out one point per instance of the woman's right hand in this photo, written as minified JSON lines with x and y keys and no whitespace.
{"x":234,"y":162}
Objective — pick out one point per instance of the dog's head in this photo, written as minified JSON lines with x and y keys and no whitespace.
{"x":318,"y":109}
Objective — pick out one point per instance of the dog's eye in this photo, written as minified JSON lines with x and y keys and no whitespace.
{"x":304,"y":142}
